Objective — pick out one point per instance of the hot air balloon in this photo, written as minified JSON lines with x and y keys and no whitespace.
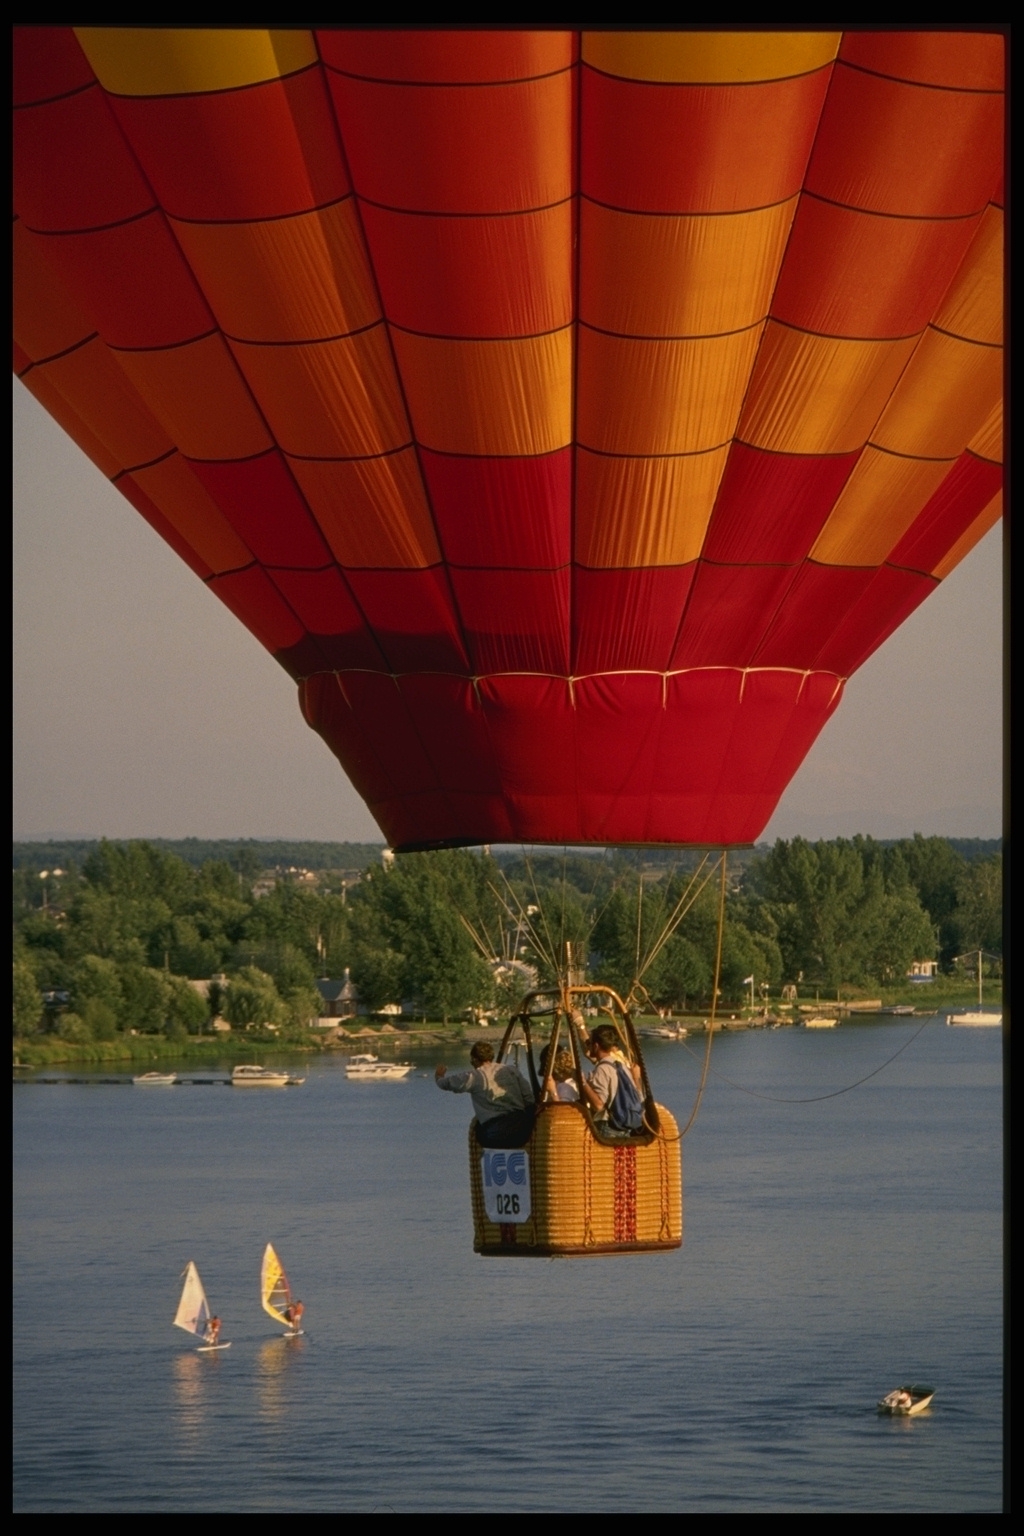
{"x":569,"y":413}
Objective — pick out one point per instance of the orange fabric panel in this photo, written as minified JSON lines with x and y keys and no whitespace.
{"x":468,"y":57}
{"x":876,"y":507}
{"x":46,"y":318}
{"x":975,"y":533}
{"x":330,"y":399}
{"x":863,"y":275}
{"x":970,"y":61}
{"x":99,"y":393}
{"x":987,"y":442}
{"x":644,"y":512}
{"x":177,"y":61}
{"x":682,"y":275}
{"x":474,"y":277}
{"x":943,"y":398}
{"x":916,"y":151}
{"x":973,"y":307}
{"x":65,"y":415}
{"x":302,"y":278}
{"x":174,"y":489}
{"x":372,"y":512}
{"x":502,"y":398}
{"x":649,"y":397}
{"x":196,"y":392}
{"x":449,"y":149}
{"x":818,"y":394}
{"x":709,"y":57}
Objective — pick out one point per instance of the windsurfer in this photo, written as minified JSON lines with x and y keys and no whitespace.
{"x":212,"y":1330}
{"x":294,"y":1316}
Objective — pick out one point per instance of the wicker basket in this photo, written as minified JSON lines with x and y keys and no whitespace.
{"x":587,"y":1196}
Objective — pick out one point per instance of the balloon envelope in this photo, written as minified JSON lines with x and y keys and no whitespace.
{"x":569,"y":413}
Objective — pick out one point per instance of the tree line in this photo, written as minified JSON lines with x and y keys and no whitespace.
{"x":115,"y":943}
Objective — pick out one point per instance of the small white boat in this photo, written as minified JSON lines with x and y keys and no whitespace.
{"x":975,"y":1017}
{"x":194,"y":1316}
{"x":371,"y":1069}
{"x":819,"y":1023}
{"x":253,"y":1076}
{"x":156,"y":1080}
{"x":899,"y":1009}
{"x":905,"y":1401}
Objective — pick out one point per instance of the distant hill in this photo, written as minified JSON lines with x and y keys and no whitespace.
{"x":270,"y":852}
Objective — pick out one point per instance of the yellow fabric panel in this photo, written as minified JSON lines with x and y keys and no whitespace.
{"x":46,"y":318}
{"x":709,"y":57}
{"x":640,"y":512}
{"x":185,"y":504}
{"x":987,"y":442}
{"x":331,"y":399}
{"x":372,"y":512}
{"x":975,"y":533}
{"x":67,"y":417}
{"x":648,"y":275}
{"x":876,"y":507}
{"x":819,"y":394}
{"x":179,"y":61}
{"x":943,"y":398}
{"x":973,"y":307}
{"x":507,"y":398}
{"x":96,"y":389}
{"x":650,"y":397}
{"x":298,"y":279}
{"x":196,"y":393}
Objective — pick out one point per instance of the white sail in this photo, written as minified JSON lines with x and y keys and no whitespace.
{"x":193,"y":1310}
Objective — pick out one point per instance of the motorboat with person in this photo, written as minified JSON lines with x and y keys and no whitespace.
{"x":372,"y":1069}
{"x":904,"y":1401}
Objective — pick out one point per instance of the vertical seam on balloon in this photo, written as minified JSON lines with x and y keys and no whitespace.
{"x":750,"y":378}
{"x":399,"y":381}
{"x":576,"y":175}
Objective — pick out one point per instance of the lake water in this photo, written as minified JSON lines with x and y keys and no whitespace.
{"x":832,"y":1250}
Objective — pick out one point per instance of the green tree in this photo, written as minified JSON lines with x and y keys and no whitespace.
{"x":252,"y":998}
{"x":187,"y":1009}
{"x":99,"y":1018}
{"x":96,"y":980}
{"x":979,"y":906}
{"x":145,"y":998}
{"x":28,"y":1000}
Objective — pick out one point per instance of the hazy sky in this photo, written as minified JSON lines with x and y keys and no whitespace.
{"x":144,"y":708}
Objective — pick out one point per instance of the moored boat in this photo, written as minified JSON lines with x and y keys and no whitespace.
{"x":819,"y":1023}
{"x":252,"y":1076}
{"x":975,"y":1016}
{"x":905,"y":1401}
{"x":156,"y":1080}
{"x":371,"y":1069}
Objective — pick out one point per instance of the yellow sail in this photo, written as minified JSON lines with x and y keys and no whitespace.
{"x":274,"y":1288}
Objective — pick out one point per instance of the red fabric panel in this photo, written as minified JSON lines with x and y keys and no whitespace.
{"x":262,"y":503}
{"x":906,"y":149}
{"x":470,"y":277}
{"x":890,"y":597}
{"x":253,"y":598}
{"x":848,"y":273}
{"x":48,"y":62}
{"x":456,"y":149}
{"x":382,"y":718}
{"x":324,"y":604}
{"x":451,"y":725}
{"x":816,"y":702}
{"x":155,"y":518}
{"x":133,"y":283}
{"x":327,"y":708}
{"x":618,"y":730}
{"x":446,"y":55}
{"x":515,"y":621}
{"x":532,"y":728}
{"x":257,"y":153}
{"x":514,"y":513}
{"x":815,"y":603}
{"x":410,"y":613}
{"x":729,"y":610}
{"x":72,"y":168}
{"x":974,"y":61}
{"x":966,"y":491}
{"x":697,"y":148}
{"x":627,"y":620}
{"x":772,"y":506}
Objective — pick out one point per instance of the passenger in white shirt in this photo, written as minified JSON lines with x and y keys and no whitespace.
{"x":503,"y":1100}
{"x":558,"y":1077}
